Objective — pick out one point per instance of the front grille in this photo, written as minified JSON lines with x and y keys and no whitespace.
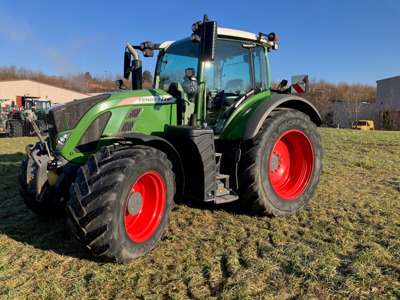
{"x":127,"y":126}
{"x":134,"y":113}
{"x":52,"y":127}
{"x":67,"y":116}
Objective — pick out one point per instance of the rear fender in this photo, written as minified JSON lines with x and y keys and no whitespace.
{"x":280,"y":101}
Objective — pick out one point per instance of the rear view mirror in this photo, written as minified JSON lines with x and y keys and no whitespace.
{"x":189,"y":85}
{"x":127,"y":65}
{"x":120,"y":84}
{"x":208,"y":41}
{"x":205,"y":32}
{"x":190,"y":72}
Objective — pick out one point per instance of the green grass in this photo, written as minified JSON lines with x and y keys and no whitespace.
{"x":345,"y":244}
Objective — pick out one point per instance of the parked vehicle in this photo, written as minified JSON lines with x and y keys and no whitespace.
{"x":363,"y":125}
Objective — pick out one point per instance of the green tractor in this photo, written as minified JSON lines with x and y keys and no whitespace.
{"x":14,"y":121}
{"x":38,"y":107}
{"x":9,"y":127}
{"x":210,"y":131}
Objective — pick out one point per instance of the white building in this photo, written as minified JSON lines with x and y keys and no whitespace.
{"x":388,"y":99}
{"x":388,"y":92}
{"x":17,"y":90}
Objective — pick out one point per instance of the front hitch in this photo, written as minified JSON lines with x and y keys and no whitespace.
{"x":31,"y":117}
{"x":41,"y":161}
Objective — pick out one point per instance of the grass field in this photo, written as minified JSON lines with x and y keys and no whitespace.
{"x":345,"y":244}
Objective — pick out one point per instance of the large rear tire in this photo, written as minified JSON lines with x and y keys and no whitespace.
{"x":121,"y":201}
{"x":280,"y":167}
{"x":42,"y":125}
{"x":15,"y":128}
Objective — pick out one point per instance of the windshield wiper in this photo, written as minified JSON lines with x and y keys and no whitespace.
{"x":250,"y":93}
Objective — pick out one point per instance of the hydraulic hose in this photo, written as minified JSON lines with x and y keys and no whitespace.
{"x":132,"y":51}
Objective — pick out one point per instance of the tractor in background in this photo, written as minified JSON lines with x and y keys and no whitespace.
{"x":16,"y":124}
{"x":9,"y":127}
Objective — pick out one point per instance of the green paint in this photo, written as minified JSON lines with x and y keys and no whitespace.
{"x":236,"y":124}
{"x":152,"y":120}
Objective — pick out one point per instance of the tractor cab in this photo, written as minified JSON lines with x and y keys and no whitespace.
{"x":239,"y":69}
{"x":209,"y":74}
{"x":36,"y":104}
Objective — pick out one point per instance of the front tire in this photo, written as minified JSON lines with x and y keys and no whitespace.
{"x":280,"y":167}
{"x":121,"y":202}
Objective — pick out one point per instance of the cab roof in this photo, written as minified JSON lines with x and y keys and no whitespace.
{"x":234,"y":34}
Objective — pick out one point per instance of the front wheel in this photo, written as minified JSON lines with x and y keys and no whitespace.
{"x":121,"y":202}
{"x":281,"y":165}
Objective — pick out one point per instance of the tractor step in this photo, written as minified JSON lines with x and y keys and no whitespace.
{"x":225,"y":198}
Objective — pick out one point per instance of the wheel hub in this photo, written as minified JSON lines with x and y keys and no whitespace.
{"x":134,"y":203}
{"x":291,"y":164}
{"x":274,"y":162}
{"x":145,"y":206}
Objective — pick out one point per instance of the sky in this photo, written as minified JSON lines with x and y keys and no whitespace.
{"x":350,"y":41}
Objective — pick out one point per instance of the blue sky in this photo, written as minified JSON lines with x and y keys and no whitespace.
{"x":349,"y":41}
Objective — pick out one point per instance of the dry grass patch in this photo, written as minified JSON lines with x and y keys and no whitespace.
{"x":343,"y":245}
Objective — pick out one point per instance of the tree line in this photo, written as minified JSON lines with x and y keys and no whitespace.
{"x":81,"y":82}
{"x":320,"y":91}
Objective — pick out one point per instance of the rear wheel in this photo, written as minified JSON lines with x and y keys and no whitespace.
{"x":280,"y":167}
{"x":15,"y":127}
{"x":41,"y":124}
{"x":121,"y":202}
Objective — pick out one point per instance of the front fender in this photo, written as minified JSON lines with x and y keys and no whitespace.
{"x":160,"y":144}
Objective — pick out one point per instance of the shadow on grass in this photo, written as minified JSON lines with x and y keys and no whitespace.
{"x":20,"y":224}
{"x":237,"y":207}
{"x":12,"y":158}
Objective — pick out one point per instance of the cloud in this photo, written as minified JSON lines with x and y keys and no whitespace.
{"x":64,"y":58}
{"x":18,"y":31}
{"x":60,"y":61}
{"x":28,"y":47}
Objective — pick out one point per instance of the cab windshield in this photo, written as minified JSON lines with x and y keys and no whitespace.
{"x":238,"y":68}
{"x":178,"y":57}
{"x":42,"y":104}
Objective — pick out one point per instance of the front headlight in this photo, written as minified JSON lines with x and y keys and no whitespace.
{"x":61,"y":140}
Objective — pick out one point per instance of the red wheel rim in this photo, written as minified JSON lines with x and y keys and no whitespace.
{"x":291,"y":164}
{"x":144,"y":223}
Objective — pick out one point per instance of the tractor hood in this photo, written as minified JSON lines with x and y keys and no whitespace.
{"x":81,"y":126}
{"x":65,"y":117}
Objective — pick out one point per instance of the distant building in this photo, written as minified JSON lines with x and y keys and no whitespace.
{"x":345,"y":113}
{"x":17,"y":90}
{"x":388,"y":99}
{"x":388,"y":92}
